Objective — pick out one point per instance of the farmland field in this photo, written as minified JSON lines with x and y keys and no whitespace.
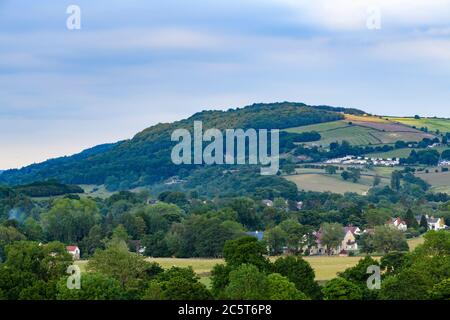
{"x":400,"y":153}
{"x":361,"y":133}
{"x":323,"y":183}
{"x":439,"y":179}
{"x":414,"y":242}
{"x":366,"y":118}
{"x":432,"y":124}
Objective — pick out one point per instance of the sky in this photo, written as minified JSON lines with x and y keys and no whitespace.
{"x":137,"y":63}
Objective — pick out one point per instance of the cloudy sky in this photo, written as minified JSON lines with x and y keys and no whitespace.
{"x":136,"y":63}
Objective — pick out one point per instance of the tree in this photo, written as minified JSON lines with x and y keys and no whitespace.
{"x":345,"y":175}
{"x":276,"y":239}
{"x":245,"y":208}
{"x":247,"y":283}
{"x":246,"y":250}
{"x":93,"y":241}
{"x":376,"y":180}
{"x":294,"y":234}
{"x":280,"y":288}
{"x":376,"y":216}
{"x":31,"y":270}
{"x":199,"y":236}
{"x":177,"y":284}
{"x":33,"y":230}
{"x":332,"y":235}
{"x":387,"y":239}
{"x":220,"y":280}
{"x":358,"y":275}
{"x":393,"y":262}
{"x":365,"y":242}
{"x":159,"y":216}
{"x":407,"y":285}
{"x":94,"y":286}
{"x":355,"y":174}
{"x":69,"y":221}
{"x":156,"y":245}
{"x":396,"y":180}
{"x":130,"y":269}
{"x":341,"y":289}
{"x":441,"y":290}
{"x":410,"y":219}
{"x":8,"y":235}
{"x":423,"y":223}
{"x":299,"y":272}
{"x":330,"y":169}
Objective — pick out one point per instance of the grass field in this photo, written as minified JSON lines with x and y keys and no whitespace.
{"x":401,"y":153}
{"x":397,"y":153}
{"x":316,"y":180}
{"x":323,"y":182}
{"x":414,"y":242}
{"x":95,"y":191}
{"x":432,"y":124}
{"x":440,"y":179}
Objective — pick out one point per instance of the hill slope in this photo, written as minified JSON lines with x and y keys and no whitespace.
{"x":145,"y":159}
{"x":363,"y":130}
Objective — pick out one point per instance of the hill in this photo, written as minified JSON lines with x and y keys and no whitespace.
{"x":145,"y":159}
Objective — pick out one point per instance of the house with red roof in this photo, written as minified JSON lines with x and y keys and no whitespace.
{"x":397,"y":223}
{"x":74,"y":251}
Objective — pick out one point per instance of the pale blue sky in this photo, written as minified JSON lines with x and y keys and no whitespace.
{"x":137,"y":63}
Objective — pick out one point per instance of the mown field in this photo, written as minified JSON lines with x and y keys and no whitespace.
{"x":317,"y":180}
{"x":432,"y":124}
{"x":320,"y":182}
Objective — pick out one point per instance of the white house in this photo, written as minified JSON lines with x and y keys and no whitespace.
{"x":436,"y":223}
{"x":433,"y":223}
{"x":398,"y":223}
{"x":74,"y":251}
{"x":267,"y":203}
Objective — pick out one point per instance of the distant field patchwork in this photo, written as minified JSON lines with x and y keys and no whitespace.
{"x":362,"y":133}
{"x":432,"y":124}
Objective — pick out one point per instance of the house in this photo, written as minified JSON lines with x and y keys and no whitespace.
{"x":74,"y":251}
{"x":397,"y":223}
{"x":348,"y":243}
{"x":257,"y":234}
{"x":436,"y":223}
{"x":267,"y":203}
{"x":433,"y":223}
{"x":321,"y":249}
{"x":299,"y":205}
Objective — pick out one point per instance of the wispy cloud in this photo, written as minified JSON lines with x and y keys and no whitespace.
{"x":137,"y":63}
